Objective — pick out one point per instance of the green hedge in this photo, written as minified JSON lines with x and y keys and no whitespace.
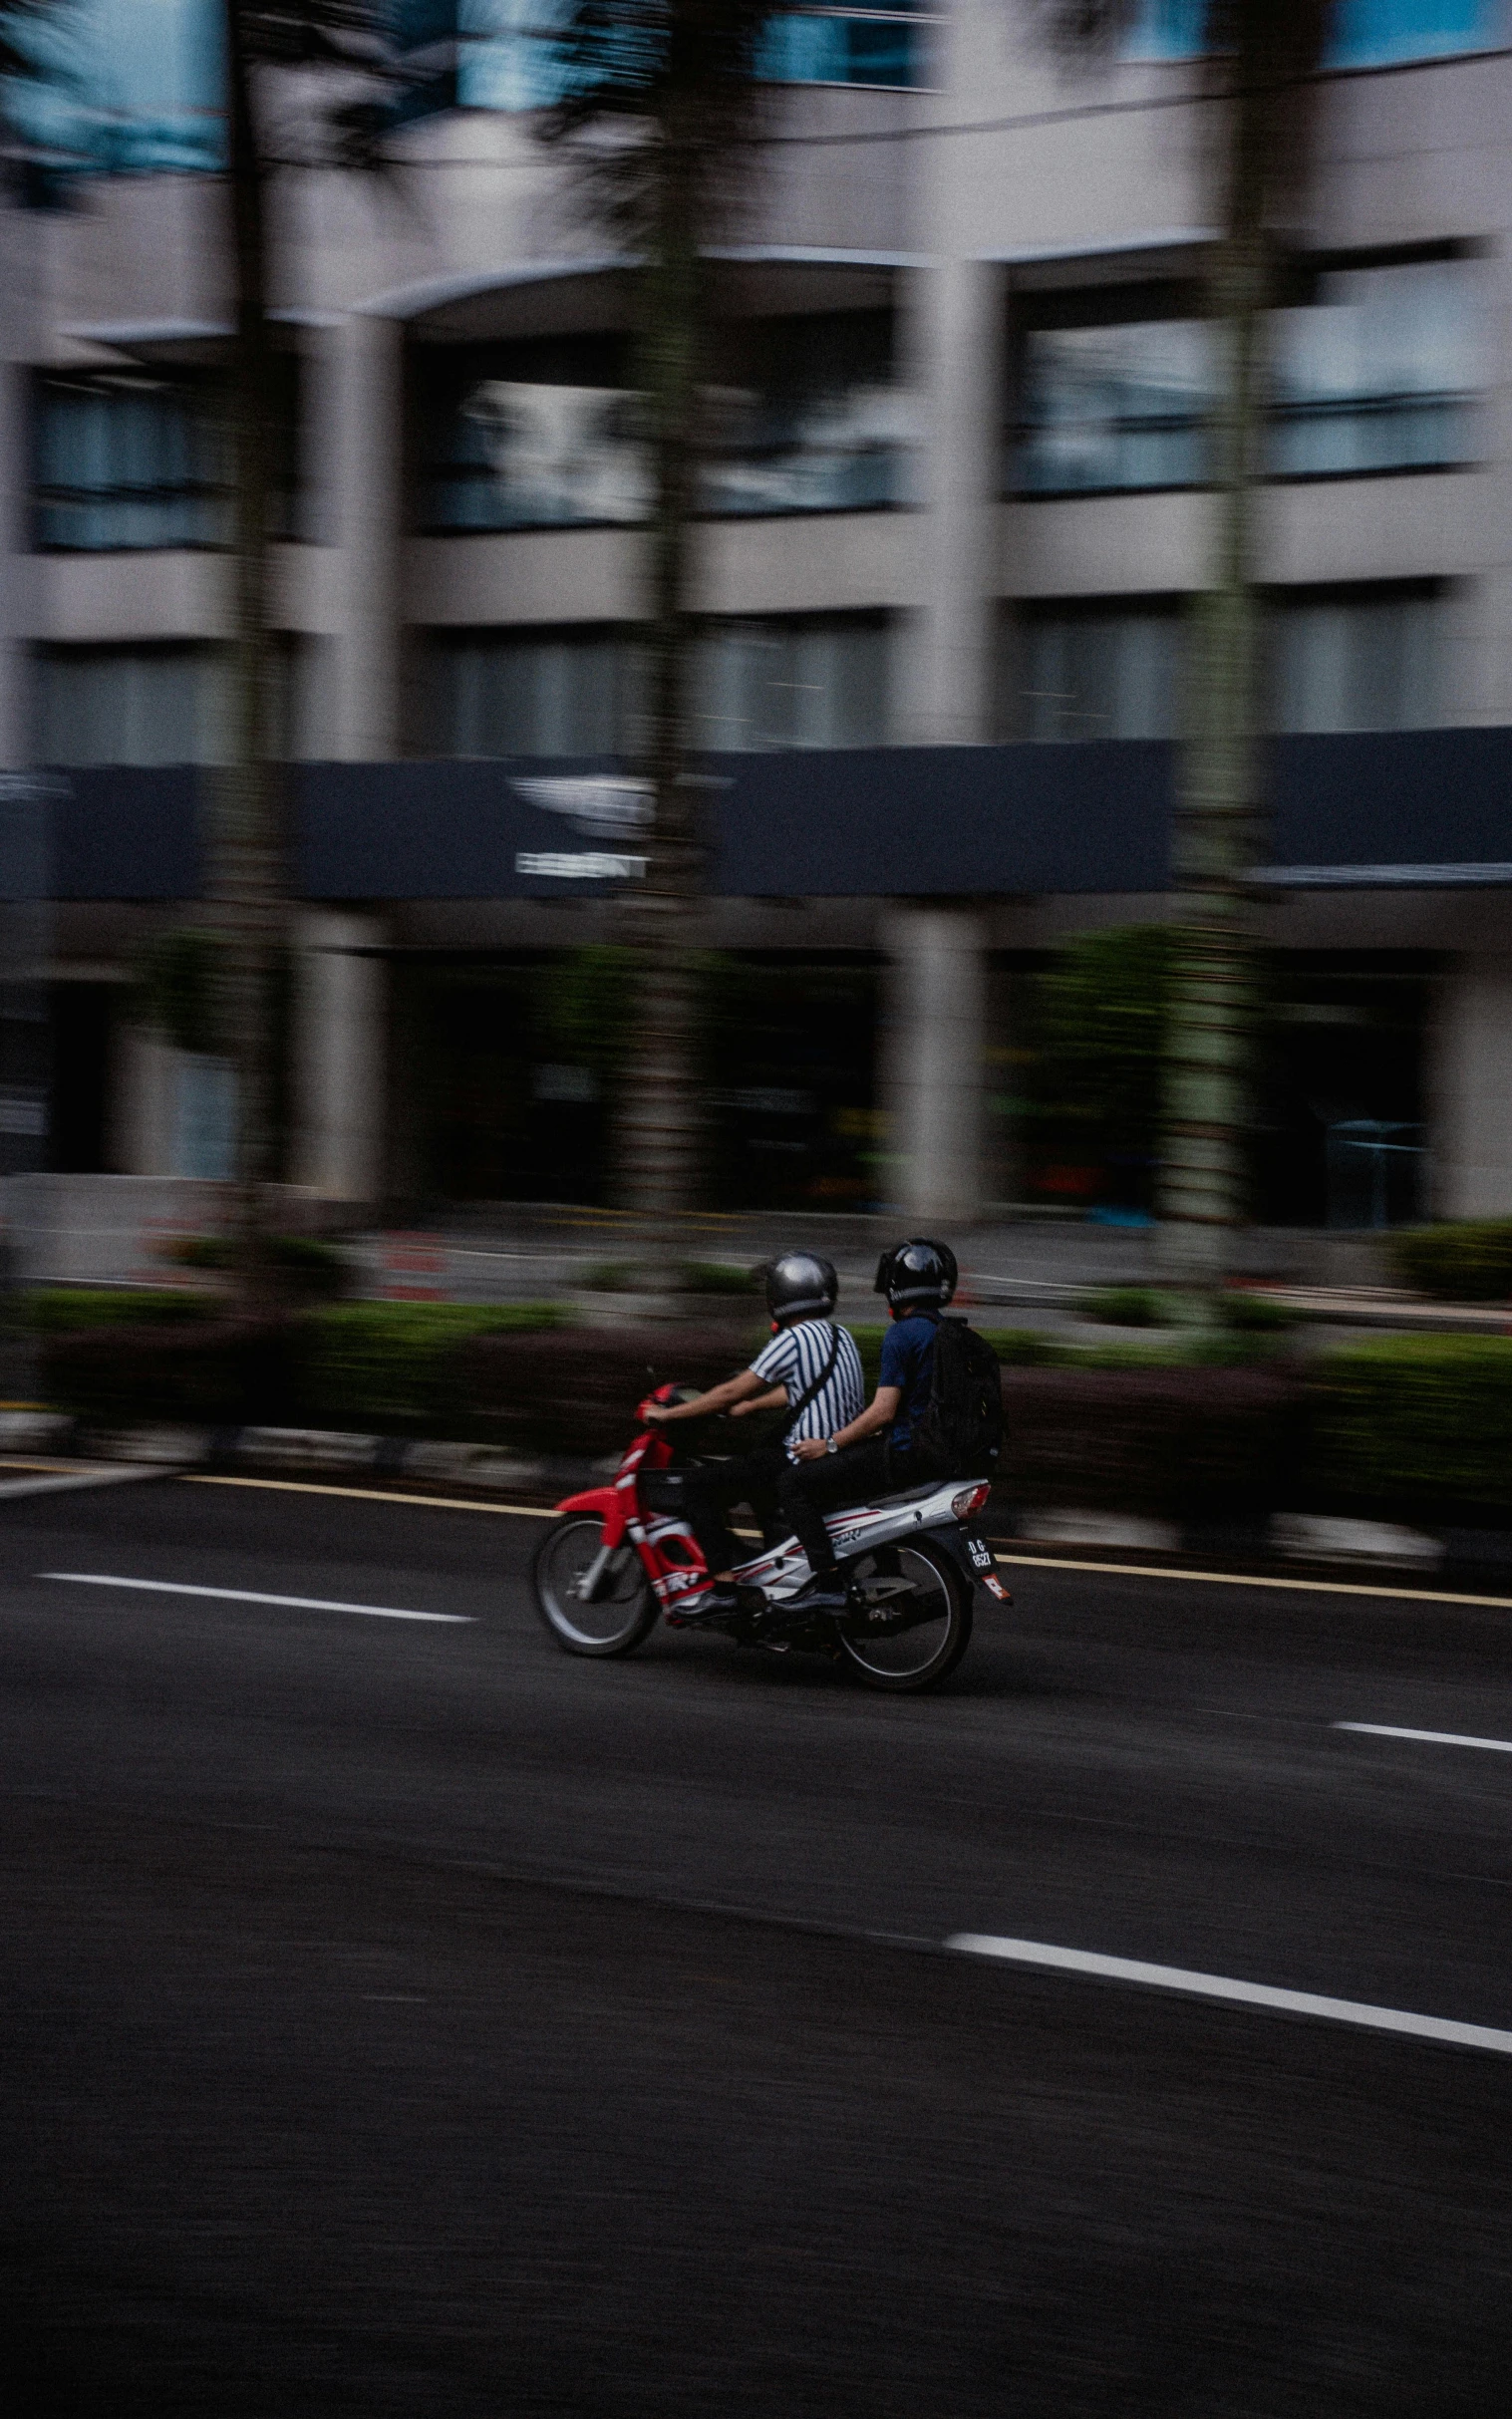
{"x":1418,"y":1423}
{"x":1411,"y":1427}
{"x":387,"y":1365}
{"x":1188,"y":1443}
{"x":58,"y":1309}
{"x":1468,"y":1261}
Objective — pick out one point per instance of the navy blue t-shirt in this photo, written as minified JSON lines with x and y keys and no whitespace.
{"x":908,"y":1362}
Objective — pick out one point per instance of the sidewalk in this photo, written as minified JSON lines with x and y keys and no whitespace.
{"x":533,"y":1252}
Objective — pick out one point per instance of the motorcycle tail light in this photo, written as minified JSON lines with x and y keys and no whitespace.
{"x":971,"y":1500}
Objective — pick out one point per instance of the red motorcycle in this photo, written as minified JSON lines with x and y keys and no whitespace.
{"x":621,"y":1553}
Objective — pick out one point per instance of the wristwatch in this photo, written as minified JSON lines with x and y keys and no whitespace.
{"x":830,"y":1446}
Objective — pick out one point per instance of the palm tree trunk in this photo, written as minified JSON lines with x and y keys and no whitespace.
{"x":658,"y":1119}
{"x":248,"y":877}
{"x":1220,"y":806}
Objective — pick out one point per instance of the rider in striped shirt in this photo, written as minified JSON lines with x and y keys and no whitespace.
{"x":812,"y":1365}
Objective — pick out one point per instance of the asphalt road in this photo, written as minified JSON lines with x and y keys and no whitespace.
{"x":401,"y":2017}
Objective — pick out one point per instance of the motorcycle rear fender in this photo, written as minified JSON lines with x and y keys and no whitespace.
{"x":608,"y":1502}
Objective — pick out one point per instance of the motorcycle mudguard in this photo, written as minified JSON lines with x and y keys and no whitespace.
{"x":608,"y":1502}
{"x":974,"y":1553}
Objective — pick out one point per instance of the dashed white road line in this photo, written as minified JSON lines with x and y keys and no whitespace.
{"x":1428,"y":1738}
{"x":245,"y":1596}
{"x":1247,"y":1995}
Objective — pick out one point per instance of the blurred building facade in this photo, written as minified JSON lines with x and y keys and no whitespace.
{"x":955,"y":504}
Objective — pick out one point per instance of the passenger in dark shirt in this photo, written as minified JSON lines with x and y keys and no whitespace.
{"x":879,"y":1451}
{"x":908,"y":1362}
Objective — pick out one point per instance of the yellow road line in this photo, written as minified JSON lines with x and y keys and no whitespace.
{"x":433,"y":1503}
{"x":1239,"y":1579}
{"x":1033,"y":1562}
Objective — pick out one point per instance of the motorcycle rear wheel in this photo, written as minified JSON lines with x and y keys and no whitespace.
{"x":620,"y":1616}
{"x":908,"y":1661}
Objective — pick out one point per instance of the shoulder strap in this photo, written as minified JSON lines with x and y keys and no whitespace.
{"x":812,"y":1392}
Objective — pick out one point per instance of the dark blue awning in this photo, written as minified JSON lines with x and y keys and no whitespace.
{"x":1403,"y":808}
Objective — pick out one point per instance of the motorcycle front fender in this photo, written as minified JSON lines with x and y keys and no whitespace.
{"x":610,"y":1505}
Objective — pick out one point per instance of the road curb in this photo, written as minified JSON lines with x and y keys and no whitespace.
{"x":325,"y":1452}
{"x":1293,"y":1537}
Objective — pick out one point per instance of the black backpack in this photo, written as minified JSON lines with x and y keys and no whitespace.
{"x":962,"y":1427}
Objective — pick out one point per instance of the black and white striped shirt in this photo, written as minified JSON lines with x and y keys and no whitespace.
{"x":794,"y":1360}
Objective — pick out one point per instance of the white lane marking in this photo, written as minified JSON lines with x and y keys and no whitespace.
{"x":1429,"y":1739}
{"x":1248,"y":1995}
{"x":245,"y":1596}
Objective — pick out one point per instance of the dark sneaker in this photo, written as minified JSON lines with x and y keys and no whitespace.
{"x":711,"y":1605}
{"x":826,"y":1593}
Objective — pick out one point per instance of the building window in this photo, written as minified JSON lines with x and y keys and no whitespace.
{"x":129,"y":705}
{"x":789,"y":680}
{"x":1375,"y":373}
{"x":529,"y":693}
{"x":507,"y":59}
{"x":134,"y":106}
{"x":883,"y":48}
{"x":126,"y":461}
{"x":545,"y":433}
{"x":1358,"y":660}
{"x":123,"y":461}
{"x":1366,"y":33}
{"x":1096,"y":672}
{"x":807,"y":418}
{"x":529,"y":435}
{"x":792,"y":681}
{"x":1115,"y":407}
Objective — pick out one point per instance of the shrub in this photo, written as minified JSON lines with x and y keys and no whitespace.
{"x":578,"y":1394}
{"x":1419,"y":1423}
{"x":697,"y":1276}
{"x":1258,"y":1313}
{"x":1124,"y":1306}
{"x":57,"y":1309}
{"x":719,"y":1276}
{"x":366,"y":1366}
{"x":387,"y":1365}
{"x":1467,"y":1261}
{"x":1214,"y":1443}
{"x":313,"y":1269}
{"x":204,"y":1373}
{"x":1146,"y":1306}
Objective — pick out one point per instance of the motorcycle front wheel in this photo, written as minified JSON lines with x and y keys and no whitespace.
{"x":622,"y":1610}
{"x":914,"y":1637}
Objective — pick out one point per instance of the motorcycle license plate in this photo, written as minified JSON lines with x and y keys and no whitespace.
{"x":980,"y":1556}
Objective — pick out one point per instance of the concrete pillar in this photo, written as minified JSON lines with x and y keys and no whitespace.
{"x":362,"y":442}
{"x":340,"y":1018}
{"x":20,"y":246}
{"x":957,"y":352}
{"x":934,"y":1042}
{"x":144,"y":1101}
{"x":1470,"y":1090}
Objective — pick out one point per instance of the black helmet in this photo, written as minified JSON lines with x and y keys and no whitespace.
{"x":799,"y":1284}
{"x":918,"y":1273}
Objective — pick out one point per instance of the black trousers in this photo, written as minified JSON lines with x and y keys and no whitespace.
{"x":810,"y":1489}
{"x":712,"y":1489}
